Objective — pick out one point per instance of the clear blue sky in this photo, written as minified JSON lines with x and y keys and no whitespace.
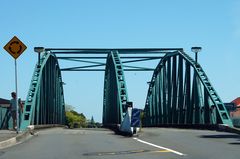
{"x":213,"y":25}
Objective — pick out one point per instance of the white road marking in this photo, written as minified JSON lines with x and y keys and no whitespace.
{"x":160,"y":147}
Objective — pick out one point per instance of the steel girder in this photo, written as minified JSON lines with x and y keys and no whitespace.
{"x":45,"y":100}
{"x":180,"y":93}
{"x":115,"y":91}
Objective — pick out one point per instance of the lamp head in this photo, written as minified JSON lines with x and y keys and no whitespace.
{"x":196,"y":49}
{"x":39,"y":49}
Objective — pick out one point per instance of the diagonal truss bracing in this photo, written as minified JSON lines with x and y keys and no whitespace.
{"x":181,"y":93}
{"x":95,"y":58}
{"x":45,"y":100}
{"x":115,"y":91}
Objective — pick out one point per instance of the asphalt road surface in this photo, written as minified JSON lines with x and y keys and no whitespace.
{"x":158,"y":143}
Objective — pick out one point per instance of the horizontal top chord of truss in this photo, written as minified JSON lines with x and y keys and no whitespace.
{"x":107,"y":50}
{"x":95,"y":55}
{"x":104,"y":57}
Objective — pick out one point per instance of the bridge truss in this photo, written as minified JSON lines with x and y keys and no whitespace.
{"x":179,"y":92}
{"x":114,"y":62}
{"x":45,"y":99}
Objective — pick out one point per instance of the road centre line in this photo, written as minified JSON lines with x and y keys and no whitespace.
{"x":160,"y":147}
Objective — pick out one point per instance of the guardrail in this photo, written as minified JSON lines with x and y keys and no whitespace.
{"x":5,"y":118}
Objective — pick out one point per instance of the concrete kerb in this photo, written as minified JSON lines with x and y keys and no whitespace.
{"x":33,"y":128}
{"x":226,"y":128}
{"x":218,"y":127}
{"x":37,"y":127}
{"x":15,"y":140}
{"x":22,"y":136}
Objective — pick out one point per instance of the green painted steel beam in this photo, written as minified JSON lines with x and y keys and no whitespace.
{"x":84,"y":61}
{"x":108,"y":50}
{"x":98,"y":57}
{"x":81,"y":67}
{"x":140,"y":60}
{"x":115,"y":91}
{"x":183,"y":94}
{"x":45,"y":101}
{"x":95,"y":60}
{"x":93,"y":70}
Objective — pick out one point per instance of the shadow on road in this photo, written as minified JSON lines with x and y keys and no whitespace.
{"x":235,"y":143}
{"x":221,"y":136}
{"x":224,"y":136}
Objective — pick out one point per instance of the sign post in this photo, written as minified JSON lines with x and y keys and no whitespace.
{"x":15,"y":48}
{"x":16,"y":90}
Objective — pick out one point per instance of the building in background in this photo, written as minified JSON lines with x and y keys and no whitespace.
{"x":236,"y":112}
{"x":4,"y":102}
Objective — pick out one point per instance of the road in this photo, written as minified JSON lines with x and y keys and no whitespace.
{"x":152,"y":143}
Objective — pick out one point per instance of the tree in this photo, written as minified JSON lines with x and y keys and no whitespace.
{"x":75,"y":119}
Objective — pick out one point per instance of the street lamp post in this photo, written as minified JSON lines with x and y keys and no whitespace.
{"x":196,"y":50}
{"x":39,"y":50}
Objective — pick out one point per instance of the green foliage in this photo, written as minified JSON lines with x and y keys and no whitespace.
{"x":92,"y":124}
{"x":75,"y":120}
{"x":78,"y":120}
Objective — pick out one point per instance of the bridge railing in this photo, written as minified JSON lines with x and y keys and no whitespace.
{"x":5,"y":118}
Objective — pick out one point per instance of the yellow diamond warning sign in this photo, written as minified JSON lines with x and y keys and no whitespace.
{"x":15,"y":47}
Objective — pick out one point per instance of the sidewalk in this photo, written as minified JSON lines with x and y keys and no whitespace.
{"x":7,"y":134}
{"x":9,"y":138}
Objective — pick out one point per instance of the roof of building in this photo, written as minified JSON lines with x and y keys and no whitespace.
{"x":4,"y":101}
{"x":236,"y":101}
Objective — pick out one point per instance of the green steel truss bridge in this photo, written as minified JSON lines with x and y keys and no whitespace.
{"x":179,"y":93}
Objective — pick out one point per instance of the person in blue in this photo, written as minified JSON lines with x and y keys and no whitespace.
{"x":13,"y":109}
